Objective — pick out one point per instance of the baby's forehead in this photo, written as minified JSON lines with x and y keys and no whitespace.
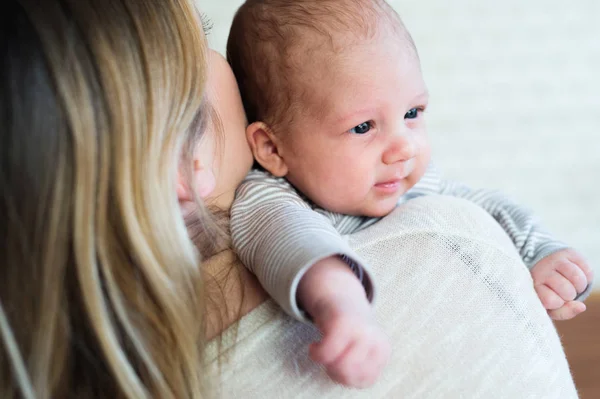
{"x":340,"y":49}
{"x":320,"y":69}
{"x":334,"y":44}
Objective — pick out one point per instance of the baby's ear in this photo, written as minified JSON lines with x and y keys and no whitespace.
{"x":202,"y":179}
{"x":265,"y":148}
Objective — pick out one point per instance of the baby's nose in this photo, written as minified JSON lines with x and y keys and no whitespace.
{"x":402,"y":148}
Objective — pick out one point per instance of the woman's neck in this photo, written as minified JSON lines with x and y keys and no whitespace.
{"x":232,"y":290}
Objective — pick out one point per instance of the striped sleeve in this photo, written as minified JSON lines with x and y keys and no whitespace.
{"x":531,"y":240}
{"x":278,"y":236}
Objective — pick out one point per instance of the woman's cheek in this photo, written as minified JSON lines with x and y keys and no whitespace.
{"x":206,"y":183}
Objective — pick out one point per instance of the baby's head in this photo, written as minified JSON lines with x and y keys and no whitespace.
{"x":334,"y":93}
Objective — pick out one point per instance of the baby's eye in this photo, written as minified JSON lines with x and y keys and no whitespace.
{"x":362,"y":128}
{"x":412,"y":114}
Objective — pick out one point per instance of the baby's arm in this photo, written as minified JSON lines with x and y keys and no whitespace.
{"x":304,"y":263}
{"x":561,"y":276}
{"x":279,"y":237}
{"x":353,"y":349}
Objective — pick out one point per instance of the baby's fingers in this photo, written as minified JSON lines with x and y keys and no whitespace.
{"x":567,"y":311}
{"x":561,"y":286}
{"x":549,"y":298}
{"x":574,"y":274}
{"x":353,"y":367}
{"x":580,"y":261}
{"x":330,"y":348}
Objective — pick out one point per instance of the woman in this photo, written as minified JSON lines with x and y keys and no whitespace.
{"x":101,"y":292}
{"x":100,"y":287}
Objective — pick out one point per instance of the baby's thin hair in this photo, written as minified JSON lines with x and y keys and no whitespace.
{"x":266,"y":35}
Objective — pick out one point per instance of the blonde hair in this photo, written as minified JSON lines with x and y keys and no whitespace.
{"x":100,"y":286}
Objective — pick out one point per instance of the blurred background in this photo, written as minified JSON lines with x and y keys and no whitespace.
{"x":515,"y":101}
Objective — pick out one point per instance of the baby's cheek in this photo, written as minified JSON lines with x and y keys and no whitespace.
{"x":425,"y":148}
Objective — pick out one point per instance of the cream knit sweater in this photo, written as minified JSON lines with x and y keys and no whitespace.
{"x":456,"y":300}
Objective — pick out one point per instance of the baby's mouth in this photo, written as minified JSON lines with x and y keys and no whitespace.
{"x":390,"y":186}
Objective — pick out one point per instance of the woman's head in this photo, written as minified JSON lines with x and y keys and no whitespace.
{"x":233,"y":157}
{"x":99,"y":281}
{"x":219,"y":161}
{"x":222,"y":157}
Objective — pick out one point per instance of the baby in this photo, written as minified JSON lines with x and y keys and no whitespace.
{"x":335,"y":96}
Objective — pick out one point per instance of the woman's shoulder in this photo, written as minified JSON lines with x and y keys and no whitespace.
{"x":458,"y":306}
{"x":253,"y":325}
{"x":233,"y":293}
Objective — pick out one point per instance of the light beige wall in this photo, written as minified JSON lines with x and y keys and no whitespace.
{"x":515,"y":100}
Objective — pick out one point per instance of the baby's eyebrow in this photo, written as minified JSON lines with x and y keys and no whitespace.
{"x":355,"y":114}
{"x":423,"y":96}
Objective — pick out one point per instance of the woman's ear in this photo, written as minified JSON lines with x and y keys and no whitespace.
{"x":266,"y":148}
{"x":203,"y":180}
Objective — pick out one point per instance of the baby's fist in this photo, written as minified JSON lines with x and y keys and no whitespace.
{"x":354,"y":349}
{"x":558,"y":279}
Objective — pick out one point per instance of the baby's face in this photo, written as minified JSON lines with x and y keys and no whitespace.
{"x":360,"y":141}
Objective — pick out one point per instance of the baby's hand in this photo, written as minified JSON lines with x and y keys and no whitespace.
{"x":558,"y":279}
{"x":354,"y":349}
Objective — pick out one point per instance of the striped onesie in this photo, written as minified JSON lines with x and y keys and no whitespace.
{"x":279,"y":234}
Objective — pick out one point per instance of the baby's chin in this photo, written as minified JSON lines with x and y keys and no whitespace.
{"x":369,"y":207}
{"x":377,"y":209}
{"x":378,"y":213}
